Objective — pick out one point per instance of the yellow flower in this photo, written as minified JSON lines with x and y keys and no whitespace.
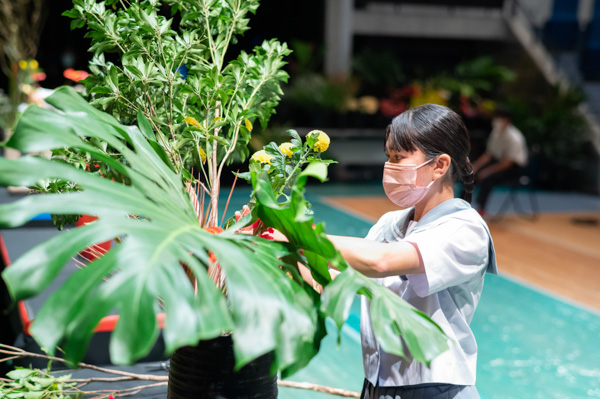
{"x":262,"y":157}
{"x":286,"y":149}
{"x":248,"y":124}
{"x":192,"y":121}
{"x":33,"y":64}
{"x":202,"y":155}
{"x":323,"y":140}
{"x":23,"y":64}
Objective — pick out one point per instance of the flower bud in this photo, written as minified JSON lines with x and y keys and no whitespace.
{"x":322,"y":143}
{"x":286,"y":149}
{"x":202,"y":155}
{"x":262,"y":157}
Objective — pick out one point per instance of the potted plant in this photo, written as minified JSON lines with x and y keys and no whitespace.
{"x":153,"y":132}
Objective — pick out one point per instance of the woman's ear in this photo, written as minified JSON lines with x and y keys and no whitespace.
{"x":441,"y":166}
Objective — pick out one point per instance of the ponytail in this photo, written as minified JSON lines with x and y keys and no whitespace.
{"x":466,"y":175}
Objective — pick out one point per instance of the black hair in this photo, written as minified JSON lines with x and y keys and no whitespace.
{"x":435,"y":130}
{"x":503,"y":112}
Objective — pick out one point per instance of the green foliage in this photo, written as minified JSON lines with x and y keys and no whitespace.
{"x":315,"y":93}
{"x":169,"y":75}
{"x":554,"y":123}
{"x":475,"y":77}
{"x":284,"y":166}
{"x":378,"y":68}
{"x":125,"y":158}
{"x":152,"y":56}
{"x":34,"y":384}
{"x":5,"y":110}
{"x":158,"y":230}
{"x":308,"y":57}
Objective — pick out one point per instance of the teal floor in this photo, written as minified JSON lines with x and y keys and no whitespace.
{"x":531,"y":344}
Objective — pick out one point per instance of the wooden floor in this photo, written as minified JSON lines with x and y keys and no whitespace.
{"x":557,"y":252}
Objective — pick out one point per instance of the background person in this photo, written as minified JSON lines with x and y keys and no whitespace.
{"x":504,"y":159}
{"x":433,"y":254}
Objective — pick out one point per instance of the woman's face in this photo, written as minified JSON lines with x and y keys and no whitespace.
{"x":417,"y":157}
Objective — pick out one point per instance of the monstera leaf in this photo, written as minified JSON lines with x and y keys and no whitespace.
{"x":158,"y":230}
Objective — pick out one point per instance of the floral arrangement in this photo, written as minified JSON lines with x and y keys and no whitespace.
{"x":284,"y":163}
{"x":141,"y":153}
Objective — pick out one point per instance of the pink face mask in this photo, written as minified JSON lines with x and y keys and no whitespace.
{"x":400,"y":184}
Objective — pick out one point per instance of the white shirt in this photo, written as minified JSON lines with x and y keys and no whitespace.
{"x":508,"y":144}
{"x":457,"y":251}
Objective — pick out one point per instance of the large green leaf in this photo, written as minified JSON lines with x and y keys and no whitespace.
{"x":264,"y":309}
{"x":392,"y":318}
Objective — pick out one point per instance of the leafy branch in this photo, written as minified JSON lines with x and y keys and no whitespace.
{"x":172,"y":71}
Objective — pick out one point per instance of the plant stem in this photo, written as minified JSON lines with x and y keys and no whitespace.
{"x":215,"y":175}
{"x":292,"y":173}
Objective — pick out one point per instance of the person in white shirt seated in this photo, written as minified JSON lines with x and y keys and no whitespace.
{"x":433,"y":253}
{"x":504,"y":159}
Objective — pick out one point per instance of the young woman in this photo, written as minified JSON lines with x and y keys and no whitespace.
{"x":434,"y":253}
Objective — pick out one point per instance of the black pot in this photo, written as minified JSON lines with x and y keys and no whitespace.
{"x":206,"y":371}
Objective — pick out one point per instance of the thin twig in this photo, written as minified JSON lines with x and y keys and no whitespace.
{"x":318,"y":388}
{"x":123,"y":392}
{"x":6,"y":359}
{"x":21,"y":353}
{"x":229,"y":198}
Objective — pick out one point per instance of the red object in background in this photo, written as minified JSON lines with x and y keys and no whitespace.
{"x":75,"y":75}
{"x":106,"y":324}
{"x":466,"y":108}
{"x":391,"y":108}
{"x":101,"y":248}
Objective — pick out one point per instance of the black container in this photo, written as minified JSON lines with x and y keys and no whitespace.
{"x":206,"y":371}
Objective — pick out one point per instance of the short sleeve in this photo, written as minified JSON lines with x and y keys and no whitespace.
{"x":517,"y":150}
{"x":376,"y":232}
{"x":453,"y":252}
{"x":387,"y":228}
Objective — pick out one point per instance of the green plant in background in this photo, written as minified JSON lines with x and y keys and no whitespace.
{"x":20,"y":29}
{"x":479,"y":75}
{"x":315,"y":93}
{"x":378,"y":68}
{"x":554,"y":124}
{"x":307,"y":57}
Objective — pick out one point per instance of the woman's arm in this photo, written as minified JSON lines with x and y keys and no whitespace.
{"x":307,"y":277}
{"x":376,"y":259}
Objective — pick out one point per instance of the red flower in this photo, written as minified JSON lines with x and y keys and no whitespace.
{"x":213,"y":230}
{"x":38,"y":76}
{"x":267,"y":234}
{"x":466,"y":108}
{"x":74,"y":75}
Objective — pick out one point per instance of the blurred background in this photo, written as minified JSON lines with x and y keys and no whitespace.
{"x":358,"y":63}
